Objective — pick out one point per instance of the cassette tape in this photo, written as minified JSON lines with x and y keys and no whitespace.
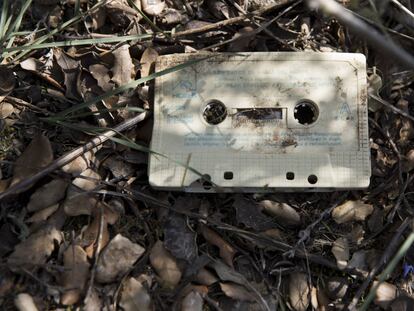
{"x":259,"y":122}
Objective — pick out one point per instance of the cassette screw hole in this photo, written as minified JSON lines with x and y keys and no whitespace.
{"x":228,"y":175}
{"x":312,"y":179}
{"x":306,"y":112}
{"x":290,"y":176}
{"x":215,"y":112}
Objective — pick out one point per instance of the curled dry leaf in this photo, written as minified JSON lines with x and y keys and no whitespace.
{"x":117,"y":258}
{"x":148,"y":60}
{"x":6,"y":109}
{"x":192,"y":302}
{"x":340,"y":249}
{"x":351,"y":211}
{"x":101,"y":75}
{"x":299,"y":291}
{"x":121,"y":14}
{"x":49,"y":194}
{"x":118,"y":167}
{"x":153,"y":7}
{"x":123,"y":67}
{"x":385,"y":294}
{"x":165,"y":265}
{"x":243,"y":38}
{"x":227,"y":252}
{"x":37,"y":155}
{"x":91,"y":234}
{"x":88,"y":180}
{"x":76,"y":273}
{"x":134,"y":296}
{"x":36,"y":249}
{"x":172,"y":16}
{"x":71,"y":69}
{"x":25,"y":302}
{"x":237,"y":292}
{"x":359,"y":261}
{"x":284,"y":213}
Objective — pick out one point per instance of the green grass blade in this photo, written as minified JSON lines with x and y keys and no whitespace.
{"x":131,"y":85}
{"x":3,"y":18}
{"x":98,"y":112}
{"x":77,"y":7}
{"x":114,"y":39}
{"x":17,"y":22}
{"x":388,"y":270}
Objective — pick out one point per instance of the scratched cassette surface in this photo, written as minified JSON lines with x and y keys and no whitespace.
{"x":261,"y":122}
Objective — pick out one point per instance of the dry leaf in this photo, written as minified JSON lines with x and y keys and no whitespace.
{"x":91,"y":233}
{"x":25,"y":302}
{"x":340,"y":249}
{"x":134,"y":296}
{"x":80,"y":164}
{"x":227,"y":252}
{"x":113,"y":210}
{"x":117,"y":258}
{"x":323,"y":301}
{"x":236,"y":292}
{"x":71,"y":69}
{"x":43,"y":214}
{"x":358,"y":261}
{"x":337,"y":287}
{"x":408,"y":161}
{"x":123,"y":66}
{"x":352,"y":210}
{"x":243,"y":38}
{"x":192,"y":302}
{"x":78,"y":202}
{"x":165,"y":265}
{"x":385,"y":294}
{"x":121,"y":14}
{"x":148,"y":59}
{"x":299,"y":291}
{"x":101,"y":75}
{"x":7,"y":80}
{"x":75,"y":275}
{"x":284,"y":214}
{"x":37,"y":155}
{"x":403,"y":303}
{"x":118,"y":167}
{"x":36,"y":249}
{"x":93,"y":302}
{"x":49,"y":194}
{"x":153,"y":7}
{"x":88,"y":180}
{"x":6,"y":109}
{"x":205,"y":277}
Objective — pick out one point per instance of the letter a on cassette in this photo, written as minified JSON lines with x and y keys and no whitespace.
{"x":261,"y":122}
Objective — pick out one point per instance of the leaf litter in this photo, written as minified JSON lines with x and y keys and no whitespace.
{"x":94,"y":234}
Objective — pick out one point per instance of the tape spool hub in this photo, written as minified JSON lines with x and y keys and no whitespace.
{"x":306,"y":112}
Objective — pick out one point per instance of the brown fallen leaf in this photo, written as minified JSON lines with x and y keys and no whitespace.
{"x":35,"y":66}
{"x":123,"y":67}
{"x":117,"y":258}
{"x":403,"y":303}
{"x":227,"y":252}
{"x":36,"y":249}
{"x":25,"y":302}
{"x":91,"y":233}
{"x":43,"y":214}
{"x":408,"y":161}
{"x":337,"y":287}
{"x":71,"y":69}
{"x":76,"y":273}
{"x":243,"y":38}
{"x":101,"y":75}
{"x":6,"y":109}
{"x":78,"y":202}
{"x":323,"y":300}
{"x":37,"y":155}
{"x":47,"y":195}
{"x":352,"y":210}
{"x":165,"y":265}
{"x":153,"y":7}
{"x":385,"y":294}
{"x":284,"y":214}
{"x":192,"y":302}
{"x":87,"y":180}
{"x":237,"y":292}
{"x":7,"y":80}
{"x":148,"y":60}
{"x":340,"y":249}
{"x":299,"y":291}
{"x":80,"y":164}
{"x":134,"y":296}
{"x":121,"y":14}
{"x":205,"y":277}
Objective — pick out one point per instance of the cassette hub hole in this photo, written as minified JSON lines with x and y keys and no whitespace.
{"x":215,"y":112}
{"x":312,"y":179}
{"x":306,"y":112}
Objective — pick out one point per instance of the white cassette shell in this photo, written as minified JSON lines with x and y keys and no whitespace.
{"x":277,"y":121}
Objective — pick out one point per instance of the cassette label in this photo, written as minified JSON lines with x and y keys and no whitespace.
{"x":261,"y":116}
